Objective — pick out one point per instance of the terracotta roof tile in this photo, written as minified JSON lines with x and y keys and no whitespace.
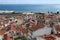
{"x":57,"y":28}
{"x":39,"y":25}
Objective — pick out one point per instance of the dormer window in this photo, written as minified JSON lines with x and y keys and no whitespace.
{"x":16,"y":21}
{"x":10,"y":19}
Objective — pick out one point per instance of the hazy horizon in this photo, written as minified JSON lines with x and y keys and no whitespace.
{"x":29,"y":1}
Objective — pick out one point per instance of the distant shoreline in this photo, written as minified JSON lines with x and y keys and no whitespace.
{"x":19,"y":12}
{"x":11,"y":11}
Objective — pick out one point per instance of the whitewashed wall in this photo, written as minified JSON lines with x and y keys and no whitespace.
{"x":42,"y":31}
{"x":1,"y":38}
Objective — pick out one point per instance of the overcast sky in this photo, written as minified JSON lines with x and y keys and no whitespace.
{"x":29,"y":1}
